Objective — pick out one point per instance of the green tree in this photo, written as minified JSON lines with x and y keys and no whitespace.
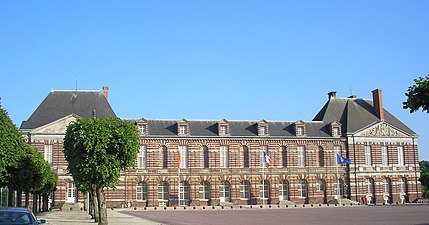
{"x":424,"y":178}
{"x":418,"y":95}
{"x":96,"y":151}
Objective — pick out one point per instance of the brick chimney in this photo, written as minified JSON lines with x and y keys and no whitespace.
{"x":377,"y":100}
{"x":106,"y":92}
{"x":332,"y":94}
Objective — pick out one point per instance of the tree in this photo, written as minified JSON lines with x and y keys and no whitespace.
{"x":424,"y":178}
{"x":418,"y":95}
{"x":96,"y":151}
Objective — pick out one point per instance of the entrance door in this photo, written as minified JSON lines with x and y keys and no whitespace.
{"x":71,"y":193}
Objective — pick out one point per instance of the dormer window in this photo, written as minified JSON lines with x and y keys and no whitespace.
{"x":142,"y":126}
{"x":300,"y":128}
{"x":182,"y":128}
{"x":263,"y":128}
{"x":223,"y":127}
{"x":335,"y":129}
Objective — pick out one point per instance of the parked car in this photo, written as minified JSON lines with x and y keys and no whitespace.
{"x":18,"y":216}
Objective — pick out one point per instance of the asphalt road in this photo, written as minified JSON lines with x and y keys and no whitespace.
{"x":362,"y":215}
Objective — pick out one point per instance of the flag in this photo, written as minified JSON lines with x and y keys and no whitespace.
{"x":178,"y":159}
{"x":267,"y":159}
{"x":341,"y":160}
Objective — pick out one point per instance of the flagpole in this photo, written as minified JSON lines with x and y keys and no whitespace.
{"x":338,"y":186}
{"x":263,"y":182}
{"x":178,"y":176}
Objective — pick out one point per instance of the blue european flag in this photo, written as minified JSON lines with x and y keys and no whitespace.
{"x":341,"y":160}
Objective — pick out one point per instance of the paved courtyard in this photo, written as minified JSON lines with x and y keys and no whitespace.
{"x":362,"y":215}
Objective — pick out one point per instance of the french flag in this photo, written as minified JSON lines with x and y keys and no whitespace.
{"x":267,"y":159}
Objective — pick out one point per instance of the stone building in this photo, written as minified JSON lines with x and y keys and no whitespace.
{"x":221,"y":161}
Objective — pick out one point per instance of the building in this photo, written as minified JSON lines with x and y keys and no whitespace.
{"x":221,"y":162}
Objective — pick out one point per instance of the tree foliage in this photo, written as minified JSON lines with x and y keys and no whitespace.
{"x":418,"y":95}
{"x":97,"y":150}
{"x":424,"y":177}
{"x":11,"y":146}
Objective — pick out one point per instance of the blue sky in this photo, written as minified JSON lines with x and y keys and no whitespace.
{"x":238,"y":60}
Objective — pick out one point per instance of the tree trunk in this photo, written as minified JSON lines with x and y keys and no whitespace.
{"x":10,"y":197}
{"x":94,"y":205}
{"x":45,"y":205}
{"x":18,"y":198}
{"x":34,"y":203}
{"x":27,"y":200}
{"x":102,"y":210}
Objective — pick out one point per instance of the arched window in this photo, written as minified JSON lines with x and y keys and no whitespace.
{"x":403,"y":183}
{"x":205,"y":190}
{"x":321,"y":185}
{"x":245,"y":189}
{"x":370,"y":189}
{"x":163,"y":193}
{"x":321,"y":156}
{"x":141,"y":191}
{"x":225,"y":191}
{"x":184,"y":193}
{"x":284,"y":190}
{"x":302,"y":189}
{"x":339,"y":184}
{"x":264,"y":189}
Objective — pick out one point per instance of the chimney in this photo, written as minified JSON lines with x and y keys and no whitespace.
{"x":332,"y":94}
{"x":106,"y":92}
{"x":377,"y":100}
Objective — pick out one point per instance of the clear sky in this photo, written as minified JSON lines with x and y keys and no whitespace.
{"x":238,"y":60}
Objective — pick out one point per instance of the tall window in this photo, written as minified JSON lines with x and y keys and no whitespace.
{"x":263,"y":130}
{"x":246,"y":157}
{"x":400,"y":155}
{"x":245,"y":189}
{"x":339,"y":184}
{"x":163,"y":191}
{"x":225,"y":191}
{"x":143,"y":129}
{"x":184,"y":193}
{"x":336,"y":131}
{"x":223,"y":130}
{"x":183,"y":150}
{"x":48,"y":152}
{"x":284,"y":156}
{"x":142,"y":157}
{"x":224,"y":155}
{"x":302,"y":189}
{"x":384,"y":156}
{"x":183,"y":129}
{"x":301,"y":156}
{"x":141,"y":192}
{"x":205,"y":190}
{"x":387,"y":184}
{"x":321,"y":185}
{"x":264,"y":189}
{"x":299,"y":131}
{"x":206,"y":156}
{"x":321,"y":156}
{"x":264,"y":148}
{"x":164,"y":152}
{"x":367,"y":155}
{"x":284,"y":190}
{"x":370,"y":186}
{"x":403,"y":185}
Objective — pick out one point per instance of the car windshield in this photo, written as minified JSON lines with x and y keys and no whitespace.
{"x":12,"y":218}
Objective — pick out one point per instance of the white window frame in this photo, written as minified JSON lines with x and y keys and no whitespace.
{"x":183,"y":129}
{"x":184,"y":155}
{"x":264,"y":189}
{"x":48,"y":153}
{"x":320,"y":185}
{"x":400,"y":155}
{"x":303,"y":189}
{"x":184,"y":192}
{"x":142,"y":157}
{"x":284,"y":190}
{"x":225,"y":191}
{"x":142,"y":191}
{"x":245,"y":190}
{"x":204,"y":190}
{"x":403,"y":185}
{"x":143,"y":129}
{"x":368,"y":160}
{"x":163,"y":191}
{"x":301,"y":156}
{"x":299,"y":131}
{"x":384,"y":156}
{"x":223,"y":130}
{"x":263,"y":130}
{"x":336,"y":131}
{"x":370,"y":186}
{"x":224,"y":156}
{"x":387,"y":185}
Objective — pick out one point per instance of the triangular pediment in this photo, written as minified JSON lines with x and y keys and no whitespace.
{"x":58,"y":126}
{"x":382,"y":129}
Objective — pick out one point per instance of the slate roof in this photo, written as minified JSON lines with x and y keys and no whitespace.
{"x":59,"y":104}
{"x":355,"y":114}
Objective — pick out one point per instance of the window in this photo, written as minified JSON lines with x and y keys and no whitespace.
{"x":400,"y":155}
{"x":183,"y":150}
{"x":284,"y":190}
{"x":302,"y":189}
{"x":163,"y":191}
{"x":384,"y":156}
{"x":246,"y":157}
{"x":301,"y":156}
{"x":206,"y":156}
{"x":164,"y":156}
{"x":143,"y":129}
{"x":184,"y":193}
{"x":264,"y":189}
{"x":284,"y":156}
{"x":321,"y":156}
{"x":142,"y":157}
{"x":48,"y":153}
{"x":263,"y":148}
{"x":225,"y":191}
{"x":339,"y":184}
{"x":403,"y":185}
{"x":299,"y":131}
{"x":370,"y":186}
{"x":224,"y":154}
{"x":141,"y":192}
{"x":263,"y":130}
{"x":205,"y":190}
{"x":245,"y":189}
{"x":223,"y":130}
{"x":183,"y":129}
{"x":335,"y":131}
{"x":387,"y":185}
{"x":367,"y":155}
{"x":321,"y":185}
